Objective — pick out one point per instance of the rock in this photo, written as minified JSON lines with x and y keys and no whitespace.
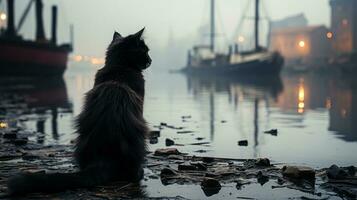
{"x":169,"y":142}
{"x":200,"y":166}
{"x":166,"y":152}
{"x":335,"y":172}
{"x":280,"y":181}
{"x":298,"y":172}
{"x":351,"y":170}
{"x":167,"y":172}
{"x":163,"y":124}
{"x":272,"y":132}
{"x":9,"y":156}
{"x":243,"y":143}
{"x":154,"y":134}
{"x":10,"y":135}
{"x":210,"y":183}
{"x":175,"y":157}
{"x":19,"y":142}
{"x":185,"y":167}
{"x":262,"y":162}
{"x":200,"y":138}
{"x":184,"y":132}
{"x":210,"y":186}
{"x":208,"y":159}
{"x":262,"y":178}
{"x":30,"y":157}
{"x":153,"y":140}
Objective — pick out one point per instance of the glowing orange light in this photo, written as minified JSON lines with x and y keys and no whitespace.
{"x":301,"y":93}
{"x":300,"y":110}
{"x":301,"y":105}
{"x":3,"y":16}
{"x":301,"y":97}
{"x":78,"y":58}
{"x":329,"y":35}
{"x":97,"y":61}
{"x":3,"y":125}
{"x":302,"y":44}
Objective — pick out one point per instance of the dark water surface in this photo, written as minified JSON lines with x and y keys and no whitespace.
{"x":316,"y":115}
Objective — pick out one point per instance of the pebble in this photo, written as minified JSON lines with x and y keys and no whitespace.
{"x":262,"y":162}
{"x":185,"y":167}
{"x":262,"y":178}
{"x":166,"y":152}
{"x":335,"y":172}
{"x":167,"y":172}
{"x":10,"y":136}
{"x":169,"y":142}
{"x":298,"y":172}
{"x":243,"y":143}
{"x":272,"y":132}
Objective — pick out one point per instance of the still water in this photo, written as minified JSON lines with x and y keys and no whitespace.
{"x":316,"y":115}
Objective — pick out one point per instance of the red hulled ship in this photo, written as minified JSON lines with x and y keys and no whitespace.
{"x":39,"y":57}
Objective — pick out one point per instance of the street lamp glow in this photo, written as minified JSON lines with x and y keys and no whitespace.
{"x":329,"y":35}
{"x":302,"y":44}
{"x":241,"y":39}
{"x":3,"y":16}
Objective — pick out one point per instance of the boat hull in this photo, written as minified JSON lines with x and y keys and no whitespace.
{"x":272,"y":65}
{"x":26,"y":58}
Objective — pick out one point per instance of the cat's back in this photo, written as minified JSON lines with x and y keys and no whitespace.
{"x":133,"y":79}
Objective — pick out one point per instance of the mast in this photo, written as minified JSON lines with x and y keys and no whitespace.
{"x":54,"y":25}
{"x":212,"y":34}
{"x":10,"y":31}
{"x":256,"y":25}
{"x":40,"y":31}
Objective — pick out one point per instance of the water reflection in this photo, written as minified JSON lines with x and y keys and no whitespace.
{"x":45,"y":97}
{"x":238,"y":89}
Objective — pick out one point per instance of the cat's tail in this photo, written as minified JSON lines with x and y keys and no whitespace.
{"x":25,"y":183}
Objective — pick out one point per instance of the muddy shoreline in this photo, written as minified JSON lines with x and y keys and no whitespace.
{"x":17,"y":154}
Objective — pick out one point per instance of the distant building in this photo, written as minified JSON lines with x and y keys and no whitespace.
{"x":344,"y":25}
{"x":298,"y":20}
{"x":302,"y":45}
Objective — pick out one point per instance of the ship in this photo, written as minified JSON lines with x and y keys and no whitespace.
{"x":31,"y":58}
{"x":203,"y":59}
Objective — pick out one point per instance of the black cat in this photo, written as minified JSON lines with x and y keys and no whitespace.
{"x":111,"y":143}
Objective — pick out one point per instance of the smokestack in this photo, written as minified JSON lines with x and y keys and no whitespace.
{"x":10,"y":31}
{"x":54,"y":25}
{"x":40,"y":31}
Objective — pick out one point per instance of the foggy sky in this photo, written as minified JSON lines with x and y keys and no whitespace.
{"x":95,"y":20}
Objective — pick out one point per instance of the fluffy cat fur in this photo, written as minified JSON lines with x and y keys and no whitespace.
{"x":111,"y":143}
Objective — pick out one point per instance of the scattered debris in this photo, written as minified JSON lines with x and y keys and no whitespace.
{"x":273,"y":132}
{"x":169,"y":142}
{"x":243,"y":143}
{"x":166,"y":152}
{"x":262,"y":162}
{"x":299,"y":172}
{"x":262,"y":178}
{"x":335,"y":172}
{"x":186,"y":167}
{"x":184,"y":132}
{"x":210,"y":186}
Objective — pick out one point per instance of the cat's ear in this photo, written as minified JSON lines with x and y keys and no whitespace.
{"x":139,"y":34}
{"x":117,"y":36}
